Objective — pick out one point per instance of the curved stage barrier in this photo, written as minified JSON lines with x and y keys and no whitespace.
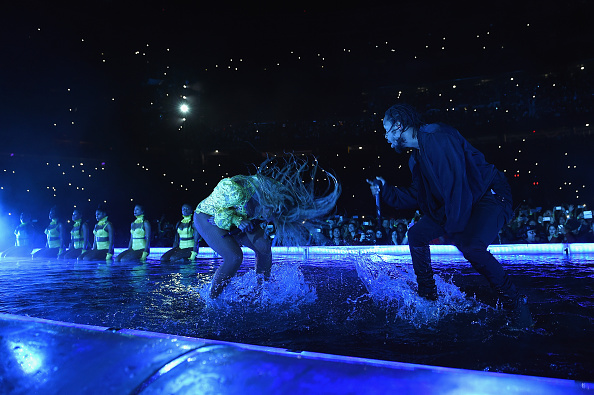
{"x":52,"y":357}
{"x":495,"y":249}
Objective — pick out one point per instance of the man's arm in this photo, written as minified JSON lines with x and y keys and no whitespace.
{"x":398,"y":197}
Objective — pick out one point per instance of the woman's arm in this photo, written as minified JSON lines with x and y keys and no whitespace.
{"x":131,"y":236}
{"x":147,"y":235}
{"x":176,"y":236}
{"x":111,"y":237}
{"x":223,"y":202}
{"x":85,"y":232}
{"x":196,"y":240}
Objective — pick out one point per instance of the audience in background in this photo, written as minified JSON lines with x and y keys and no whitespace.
{"x":562,"y":224}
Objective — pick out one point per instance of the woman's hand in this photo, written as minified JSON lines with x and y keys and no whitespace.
{"x":246,"y":226}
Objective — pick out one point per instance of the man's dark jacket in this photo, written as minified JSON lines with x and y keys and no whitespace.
{"x":448,"y":177}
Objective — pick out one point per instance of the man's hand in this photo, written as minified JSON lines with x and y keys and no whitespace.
{"x":373,"y":184}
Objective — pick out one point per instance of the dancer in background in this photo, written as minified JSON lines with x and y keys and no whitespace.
{"x":103,"y":239}
{"x":24,"y":234}
{"x":281,"y":193}
{"x":185,"y":244}
{"x":459,"y":193}
{"x":54,"y":232}
{"x":79,"y":237}
{"x":140,"y":237}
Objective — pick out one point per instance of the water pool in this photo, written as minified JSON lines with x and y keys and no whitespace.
{"x":361,"y":304}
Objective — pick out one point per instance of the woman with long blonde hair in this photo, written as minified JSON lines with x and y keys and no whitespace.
{"x":281,"y":192}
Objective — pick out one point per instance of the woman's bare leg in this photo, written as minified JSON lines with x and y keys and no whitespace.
{"x":224,"y":245}
{"x":261,"y":245}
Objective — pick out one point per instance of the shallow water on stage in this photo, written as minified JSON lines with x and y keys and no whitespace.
{"x":360,"y":304}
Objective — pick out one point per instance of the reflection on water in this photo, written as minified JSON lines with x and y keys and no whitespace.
{"x":359,"y":305}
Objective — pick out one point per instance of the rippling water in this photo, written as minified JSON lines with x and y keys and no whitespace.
{"x":360,"y":305}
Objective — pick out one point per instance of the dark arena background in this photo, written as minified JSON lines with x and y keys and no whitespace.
{"x":92,"y":97}
{"x":121,"y":103}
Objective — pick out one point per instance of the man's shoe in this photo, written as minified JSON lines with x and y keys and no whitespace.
{"x":520,"y":317}
{"x":428,"y":293}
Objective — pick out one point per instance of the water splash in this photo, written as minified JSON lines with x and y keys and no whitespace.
{"x":393,"y":286}
{"x":285,"y":288}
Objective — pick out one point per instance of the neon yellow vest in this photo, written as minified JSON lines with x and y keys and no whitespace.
{"x":22,"y":235}
{"x":76,"y":235}
{"x":53,"y":235}
{"x":185,"y":230}
{"x":101,"y":235}
{"x":138,"y":234}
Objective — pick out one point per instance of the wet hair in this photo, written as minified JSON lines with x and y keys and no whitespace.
{"x":287,"y":185}
{"x":407,"y":115}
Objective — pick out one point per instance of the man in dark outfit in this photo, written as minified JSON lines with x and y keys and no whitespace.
{"x":459,"y":194}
